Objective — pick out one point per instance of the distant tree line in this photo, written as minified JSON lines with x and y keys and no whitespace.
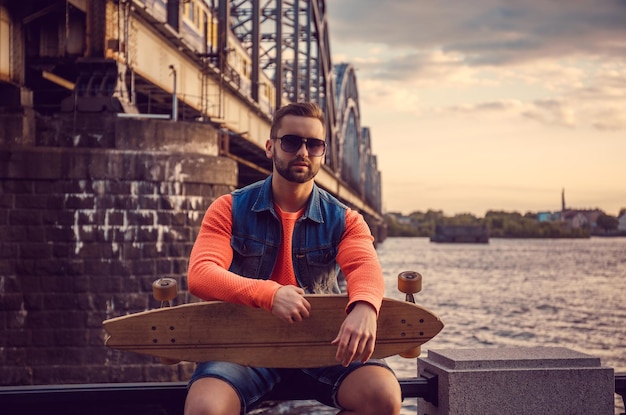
{"x":500,"y":224}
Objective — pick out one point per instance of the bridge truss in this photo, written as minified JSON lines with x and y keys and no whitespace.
{"x":289,"y":41}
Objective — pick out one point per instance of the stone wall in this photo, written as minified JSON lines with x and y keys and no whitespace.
{"x":92,"y":211}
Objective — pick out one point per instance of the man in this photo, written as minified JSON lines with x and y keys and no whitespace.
{"x":266,"y":245}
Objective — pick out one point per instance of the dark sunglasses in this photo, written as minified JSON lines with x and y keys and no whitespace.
{"x":290,"y":143}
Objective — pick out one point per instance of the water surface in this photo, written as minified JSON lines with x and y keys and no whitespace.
{"x":512,"y":292}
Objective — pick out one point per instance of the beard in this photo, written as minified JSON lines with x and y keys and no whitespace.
{"x":295,"y":174}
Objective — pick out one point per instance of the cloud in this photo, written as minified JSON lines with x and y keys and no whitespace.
{"x":423,"y":68}
{"x":559,"y":63}
{"x":485,"y":32}
{"x":468,"y":94}
{"x":555,"y":112}
{"x":609,"y":120}
{"x":551,"y":111}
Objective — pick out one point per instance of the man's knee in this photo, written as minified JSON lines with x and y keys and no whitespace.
{"x":210,"y":396}
{"x":386,"y":399}
{"x":371,"y":390}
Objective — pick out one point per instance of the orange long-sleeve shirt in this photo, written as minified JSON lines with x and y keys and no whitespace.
{"x":211,"y":256}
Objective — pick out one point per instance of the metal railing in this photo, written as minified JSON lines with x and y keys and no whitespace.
{"x":163,"y":398}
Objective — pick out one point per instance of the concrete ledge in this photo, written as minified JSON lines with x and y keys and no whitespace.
{"x":56,"y":163}
{"x":512,"y":358}
{"x":541,"y":380}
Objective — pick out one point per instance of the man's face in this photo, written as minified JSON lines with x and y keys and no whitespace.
{"x":298,"y":167}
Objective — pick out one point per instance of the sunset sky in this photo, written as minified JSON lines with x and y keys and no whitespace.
{"x":490,"y":104}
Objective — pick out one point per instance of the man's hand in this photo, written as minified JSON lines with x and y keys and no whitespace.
{"x":290,"y":305}
{"x":357,"y":335}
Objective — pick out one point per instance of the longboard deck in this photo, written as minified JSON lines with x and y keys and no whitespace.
{"x":249,"y":336}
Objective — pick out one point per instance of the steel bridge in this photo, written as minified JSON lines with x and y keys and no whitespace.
{"x":227,"y":63}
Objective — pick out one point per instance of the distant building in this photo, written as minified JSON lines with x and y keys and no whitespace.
{"x":580,"y":218}
{"x":405,"y":220}
{"x":548,"y":216}
{"x":577,"y":218}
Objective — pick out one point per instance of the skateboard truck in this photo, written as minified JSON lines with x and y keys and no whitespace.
{"x":410,"y":282}
{"x":165,"y":290}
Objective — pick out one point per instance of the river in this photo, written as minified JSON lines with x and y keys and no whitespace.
{"x":511,"y":292}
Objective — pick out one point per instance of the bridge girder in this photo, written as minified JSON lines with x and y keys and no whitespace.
{"x":289,"y":41}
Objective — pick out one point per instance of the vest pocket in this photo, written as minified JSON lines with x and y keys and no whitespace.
{"x":247,"y":256}
{"x":320,"y":272}
{"x":322,"y":257}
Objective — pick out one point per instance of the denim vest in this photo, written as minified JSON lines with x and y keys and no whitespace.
{"x":257,"y":232}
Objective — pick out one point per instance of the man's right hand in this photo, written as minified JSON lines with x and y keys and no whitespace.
{"x":290,"y":305}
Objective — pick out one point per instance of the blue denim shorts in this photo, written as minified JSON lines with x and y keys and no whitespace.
{"x":253,"y":384}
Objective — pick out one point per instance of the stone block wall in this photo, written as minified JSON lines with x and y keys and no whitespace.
{"x":86,"y":226}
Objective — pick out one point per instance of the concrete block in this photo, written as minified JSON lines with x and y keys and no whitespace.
{"x":536,"y":380}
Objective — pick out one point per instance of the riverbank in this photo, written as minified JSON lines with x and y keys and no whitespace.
{"x":507,"y":224}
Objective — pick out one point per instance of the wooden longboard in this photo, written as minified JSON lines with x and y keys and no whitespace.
{"x":223,"y":331}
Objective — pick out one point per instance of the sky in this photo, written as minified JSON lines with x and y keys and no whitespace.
{"x":490,"y":104}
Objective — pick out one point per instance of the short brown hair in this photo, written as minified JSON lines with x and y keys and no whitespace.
{"x":300,"y":109}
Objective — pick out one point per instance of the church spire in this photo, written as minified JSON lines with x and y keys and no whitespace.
{"x":563,"y":200}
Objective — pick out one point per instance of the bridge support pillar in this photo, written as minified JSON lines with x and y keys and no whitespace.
{"x":537,"y":380}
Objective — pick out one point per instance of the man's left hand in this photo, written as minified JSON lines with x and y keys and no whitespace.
{"x":357,"y":335}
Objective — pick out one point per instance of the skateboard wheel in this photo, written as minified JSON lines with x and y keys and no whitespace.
{"x":412,"y":353}
{"x":165,"y":289}
{"x":409,"y":282}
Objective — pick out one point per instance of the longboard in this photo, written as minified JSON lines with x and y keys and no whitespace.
{"x":217,"y":330}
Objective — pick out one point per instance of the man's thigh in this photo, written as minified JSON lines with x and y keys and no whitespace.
{"x":325,"y":382}
{"x":249,"y":383}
